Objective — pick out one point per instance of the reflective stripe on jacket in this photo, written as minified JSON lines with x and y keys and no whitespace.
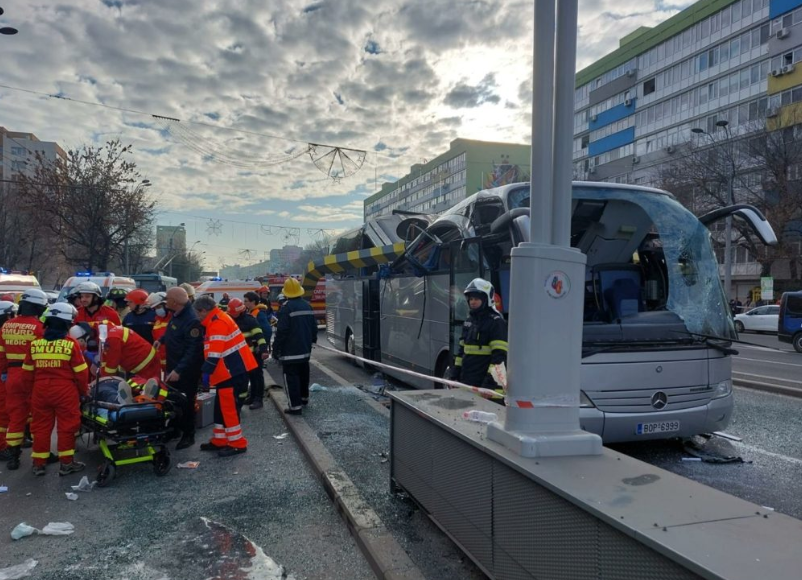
{"x":225,"y":349}
{"x":483,"y":343}
{"x":128,"y":352}
{"x":49,"y":363}
{"x":296,"y":331}
{"x":15,"y":340}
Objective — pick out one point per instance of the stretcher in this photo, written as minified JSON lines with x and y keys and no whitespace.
{"x":131,"y":429}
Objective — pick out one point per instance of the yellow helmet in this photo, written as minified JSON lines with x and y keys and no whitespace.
{"x":292,"y":288}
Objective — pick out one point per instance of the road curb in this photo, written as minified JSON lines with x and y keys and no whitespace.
{"x":386,"y":557}
{"x":767,"y":387}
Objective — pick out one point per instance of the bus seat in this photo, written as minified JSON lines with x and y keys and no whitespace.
{"x":623,"y":298}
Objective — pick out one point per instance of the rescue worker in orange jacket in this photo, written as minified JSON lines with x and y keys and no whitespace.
{"x":156,"y":302}
{"x":126,"y":351}
{"x":7,"y":311}
{"x":92,"y":309}
{"x":15,"y":341}
{"x":56,"y":372}
{"x":228,"y":362}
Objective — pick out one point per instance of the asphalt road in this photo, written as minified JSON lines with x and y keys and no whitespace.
{"x":767,"y":365}
{"x":769,"y":425}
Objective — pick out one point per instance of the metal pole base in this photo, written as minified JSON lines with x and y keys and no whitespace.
{"x":559,"y":444}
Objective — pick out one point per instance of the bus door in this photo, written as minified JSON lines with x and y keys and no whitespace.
{"x":371,"y":318}
{"x":467,"y":263}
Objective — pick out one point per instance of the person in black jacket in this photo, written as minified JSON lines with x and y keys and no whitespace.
{"x":484,"y":339}
{"x":296,"y":331}
{"x":183,"y":341}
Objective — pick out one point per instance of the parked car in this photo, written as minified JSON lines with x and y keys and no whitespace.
{"x":760,"y":319}
{"x":789,"y":327}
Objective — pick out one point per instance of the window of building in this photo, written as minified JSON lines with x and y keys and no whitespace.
{"x":18,"y":150}
{"x":648,"y":87}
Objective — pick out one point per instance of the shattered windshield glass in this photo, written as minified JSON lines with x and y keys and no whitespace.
{"x":695,"y":292}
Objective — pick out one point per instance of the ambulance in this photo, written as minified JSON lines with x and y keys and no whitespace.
{"x":15,"y":283}
{"x":106,"y":281}
{"x":234,"y":288}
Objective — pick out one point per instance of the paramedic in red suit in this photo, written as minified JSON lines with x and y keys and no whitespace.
{"x":228,"y":362}
{"x":7,"y":311}
{"x":126,"y":351}
{"x":92,"y":309}
{"x":15,"y":341}
{"x":58,"y":375}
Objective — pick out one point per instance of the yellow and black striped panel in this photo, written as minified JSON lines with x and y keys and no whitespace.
{"x":336,"y":263}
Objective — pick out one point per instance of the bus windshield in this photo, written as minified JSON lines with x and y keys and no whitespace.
{"x":695,"y":293}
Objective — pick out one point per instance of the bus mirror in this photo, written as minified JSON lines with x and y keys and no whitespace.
{"x":750,"y":214}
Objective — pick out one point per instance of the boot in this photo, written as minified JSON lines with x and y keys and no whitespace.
{"x":13,"y":463}
{"x":39,"y":470}
{"x":256,"y":404}
{"x":5,"y":454}
{"x":52,"y":459}
{"x":229,"y":451}
{"x":186,"y":441}
{"x":72,"y":467}
{"x":209,"y":447}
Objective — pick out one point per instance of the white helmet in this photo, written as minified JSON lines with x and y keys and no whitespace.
{"x":61,"y":310}
{"x":481,"y":286}
{"x":155,"y":298}
{"x":7,"y":308}
{"x":88,"y":288}
{"x":281,"y":298}
{"x":34,"y":296}
{"x":80,"y":331}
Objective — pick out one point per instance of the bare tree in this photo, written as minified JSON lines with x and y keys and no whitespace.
{"x":315,"y":250}
{"x":91,"y":203}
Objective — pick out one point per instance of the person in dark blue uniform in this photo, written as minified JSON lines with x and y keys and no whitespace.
{"x":184,"y":344}
{"x":296,"y":331}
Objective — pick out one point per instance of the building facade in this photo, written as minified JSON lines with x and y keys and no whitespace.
{"x":467,"y":167}
{"x":170,"y":240}
{"x":717,"y":68}
{"x":18,"y":151}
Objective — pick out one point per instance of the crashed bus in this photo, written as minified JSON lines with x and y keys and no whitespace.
{"x":656,"y":353}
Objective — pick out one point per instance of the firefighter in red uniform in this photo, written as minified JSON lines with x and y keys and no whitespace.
{"x":92,"y":309}
{"x":15,"y":341}
{"x":7,"y":311}
{"x":58,"y":375}
{"x":228,"y":362}
{"x":156,"y":301}
{"x":126,"y":351}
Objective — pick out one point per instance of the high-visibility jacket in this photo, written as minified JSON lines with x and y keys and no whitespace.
{"x":263,"y":314}
{"x":15,"y":340}
{"x":128,"y":352}
{"x":159,"y":328}
{"x":55,"y":362}
{"x":252,"y":332}
{"x":101,"y":315}
{"x":224,"y":348}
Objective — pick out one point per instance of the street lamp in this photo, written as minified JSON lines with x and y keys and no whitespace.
{"x":7,"y":29}
{"x":723,"y":124}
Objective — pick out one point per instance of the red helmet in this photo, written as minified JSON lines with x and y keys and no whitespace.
{"x":138,"y":297}
{"x":235,"y":307}
{"x":263,"y":289}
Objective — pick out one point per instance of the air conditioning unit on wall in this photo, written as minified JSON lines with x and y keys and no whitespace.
{"x":788,"y":69}
{"x":636,"y":159}
{"x":627,"y":102}
{"x":776,"y":72}
{"x":670,"y":149}
{"x":783,"y":33}
{"x":594,"y":118}
{"x":772,"y":112}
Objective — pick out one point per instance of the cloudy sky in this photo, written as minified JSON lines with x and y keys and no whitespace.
{"x":255,"y":81}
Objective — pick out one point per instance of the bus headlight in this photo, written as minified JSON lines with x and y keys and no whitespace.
{"x":722,"y":389}
{"x":584,"y":401}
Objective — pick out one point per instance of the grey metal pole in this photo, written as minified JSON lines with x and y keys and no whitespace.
{"x":728,"y":245}
{"x":541,"y":183}
{"x":171,"y":253}
{"x":565,"y":74}
{"x":127,"y":262}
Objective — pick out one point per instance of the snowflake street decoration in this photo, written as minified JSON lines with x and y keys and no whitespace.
{"x":214,"y":227}
{"x":336,"y":162}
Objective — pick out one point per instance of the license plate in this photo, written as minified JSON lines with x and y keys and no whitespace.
{"x":658,"y":427}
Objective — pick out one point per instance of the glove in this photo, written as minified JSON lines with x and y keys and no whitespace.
{"x":205,"y":380}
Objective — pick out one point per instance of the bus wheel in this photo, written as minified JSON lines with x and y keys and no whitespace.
{"x":798,"y":342}
{"x":350,"y":347}
{"x":440,"y":369}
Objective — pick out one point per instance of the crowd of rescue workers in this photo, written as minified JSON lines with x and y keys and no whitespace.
{"x":52,"y":356}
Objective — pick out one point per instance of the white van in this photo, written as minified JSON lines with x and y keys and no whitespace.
{"x":234,"y":288}
{"x":16,"y":283}
{"x":106,"y":281}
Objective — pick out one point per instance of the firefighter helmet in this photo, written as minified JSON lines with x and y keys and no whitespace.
{"x":281,"y":299}
{"x":235,"y":307}
{"x":156,"y":298}
{"x":188,"y":288}
{"x":292,"y":288}
{"x":481,"y":287}
{"x":7,"y":308}
{"x":263,"y":289}
{"x":138,"y":297}
{"x":34,"y":296}
{"x":89,"y":288}
{"x":81,"y":330}
{"x":62,"y":311}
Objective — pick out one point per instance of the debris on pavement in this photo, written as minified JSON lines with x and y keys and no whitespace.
{"x":19,"y":570}
{"x":314,"y":387}
{"x":22,"y":530}
{"x":188,"y":465}
{"x":698,"y":451}
{"x":724,"y":435}
{"x":282,"y":436}
{"x":84,"y":485}
{"x":691,"y":459}
{"x":58,"y":529}
{"x":71,"y":496}
{"x":3,"y":489}
{"x":479,"y":416}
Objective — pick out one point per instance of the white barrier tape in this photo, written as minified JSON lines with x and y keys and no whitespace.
{"x":486,"y":393}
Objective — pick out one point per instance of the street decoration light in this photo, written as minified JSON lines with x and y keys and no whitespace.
{"x":723,"y":124}
{"x":7,"y":30}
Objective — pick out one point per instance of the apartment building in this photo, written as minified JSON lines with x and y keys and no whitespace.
{"x":18,"y":152}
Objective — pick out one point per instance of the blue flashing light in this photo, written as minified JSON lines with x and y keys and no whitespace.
{"x":108,"y":273}
{"x":84,"y":274}
{"x":217,"y":279}
{"x":3,"y":271}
